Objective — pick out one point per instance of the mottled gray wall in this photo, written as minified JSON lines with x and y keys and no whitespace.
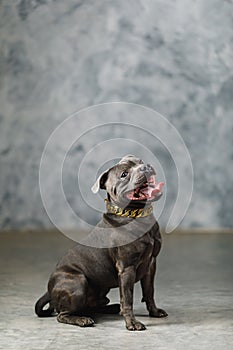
{"x":57,"y":57}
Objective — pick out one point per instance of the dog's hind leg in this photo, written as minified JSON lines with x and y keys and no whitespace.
{"x":69,"y":294}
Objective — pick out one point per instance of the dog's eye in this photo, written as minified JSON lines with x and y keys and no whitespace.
{"x":124,"y":174}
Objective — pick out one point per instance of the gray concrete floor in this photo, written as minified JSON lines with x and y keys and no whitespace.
{"x":194,"y":285}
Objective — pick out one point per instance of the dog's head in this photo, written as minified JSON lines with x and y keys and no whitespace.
{"x":130,"y":182}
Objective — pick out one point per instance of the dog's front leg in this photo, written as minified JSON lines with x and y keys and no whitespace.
{"x":147,"y":283}
{"x":126,"y":283}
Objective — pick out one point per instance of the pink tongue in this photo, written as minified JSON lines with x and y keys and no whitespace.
{"x":150,"y":191}
{"x":159,"y":186}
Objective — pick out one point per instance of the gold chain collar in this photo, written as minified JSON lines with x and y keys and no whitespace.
{"x":130,"y":213}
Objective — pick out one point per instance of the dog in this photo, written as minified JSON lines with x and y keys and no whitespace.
{"x":126,"y":243}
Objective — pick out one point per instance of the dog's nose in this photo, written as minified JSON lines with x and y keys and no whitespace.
{"x":142,"y":168}
{"x":146,"y":168}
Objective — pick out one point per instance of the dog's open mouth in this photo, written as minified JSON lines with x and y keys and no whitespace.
{"x":149,"y":190}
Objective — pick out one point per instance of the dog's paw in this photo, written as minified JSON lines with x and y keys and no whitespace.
{"x":64,"y":317}
{"x":134,"y":325}
{"x":158,"y":313}
{"x":84,"y":322}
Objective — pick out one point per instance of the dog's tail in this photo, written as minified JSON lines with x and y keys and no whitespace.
{"x":45,"y":299}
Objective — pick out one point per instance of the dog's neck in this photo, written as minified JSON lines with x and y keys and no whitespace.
{"x":113,"y":208}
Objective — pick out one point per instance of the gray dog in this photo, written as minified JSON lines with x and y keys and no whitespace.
{"x":120,"y":251}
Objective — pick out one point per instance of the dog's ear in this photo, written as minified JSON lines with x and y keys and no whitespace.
{"x":100,"y":182}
